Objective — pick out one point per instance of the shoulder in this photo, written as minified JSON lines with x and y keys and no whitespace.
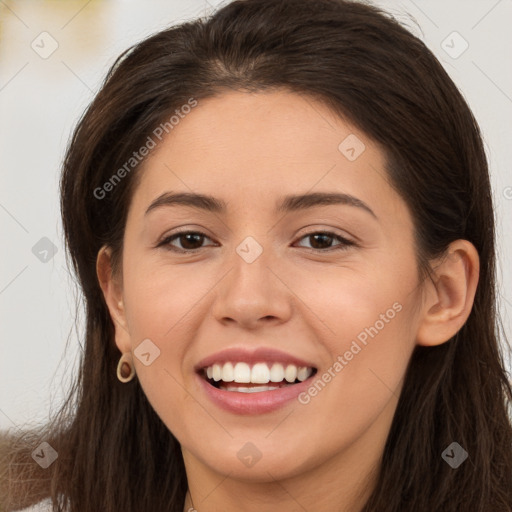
{"x":43,"y":506}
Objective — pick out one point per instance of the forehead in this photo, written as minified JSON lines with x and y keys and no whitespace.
{"x":249,"y":149}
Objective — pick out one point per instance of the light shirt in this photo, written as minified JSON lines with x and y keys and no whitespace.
{"x":42,"y":506}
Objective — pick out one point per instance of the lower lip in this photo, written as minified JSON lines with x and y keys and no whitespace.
{"x":253,"y":403}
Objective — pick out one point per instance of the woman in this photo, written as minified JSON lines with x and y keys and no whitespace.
{"x":282,"y":223}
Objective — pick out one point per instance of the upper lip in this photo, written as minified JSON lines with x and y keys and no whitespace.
{"x":246,"y":355}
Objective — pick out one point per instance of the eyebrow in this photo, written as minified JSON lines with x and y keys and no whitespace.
{"x":287,"y":204}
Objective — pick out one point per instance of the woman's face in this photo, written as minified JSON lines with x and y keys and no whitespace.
{"x":268,"y":278}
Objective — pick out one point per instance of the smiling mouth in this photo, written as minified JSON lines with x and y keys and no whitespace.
{"x":243,"y":378}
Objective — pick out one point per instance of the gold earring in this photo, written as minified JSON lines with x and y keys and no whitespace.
{"x":125,"y":368}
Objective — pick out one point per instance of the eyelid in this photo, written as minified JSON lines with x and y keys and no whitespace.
{"x":313,"y":230}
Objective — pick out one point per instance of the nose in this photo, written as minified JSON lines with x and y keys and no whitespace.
{"x":253,"y":294}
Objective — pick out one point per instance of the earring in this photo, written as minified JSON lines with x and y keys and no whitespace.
{"x":125,"y":369}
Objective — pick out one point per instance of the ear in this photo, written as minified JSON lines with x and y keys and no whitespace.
{"x":448,"y":300}
{"x":112,"y":291}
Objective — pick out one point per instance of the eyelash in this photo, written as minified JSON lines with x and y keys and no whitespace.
{"x":345,"y":244}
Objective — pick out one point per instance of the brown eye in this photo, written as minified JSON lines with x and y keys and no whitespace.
{"x":190,"y":241}
{"x":321,"y":241}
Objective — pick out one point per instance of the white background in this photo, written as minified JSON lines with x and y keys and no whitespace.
{"x":42,"y":99}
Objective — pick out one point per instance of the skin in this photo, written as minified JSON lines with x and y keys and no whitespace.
{"x":249,"y":150}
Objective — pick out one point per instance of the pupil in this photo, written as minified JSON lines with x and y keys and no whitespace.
{"x":186,"y":245}
{"x":315,"y":237}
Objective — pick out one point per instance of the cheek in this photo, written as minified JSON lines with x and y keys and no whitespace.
{"x":361,"y":384}
{"x":350,"y":303}
{"x":161,"y":305}
{"x":161,"y":299}
{"x":367,"y":336}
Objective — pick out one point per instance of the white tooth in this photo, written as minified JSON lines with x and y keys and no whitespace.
{"x":242,"y":372}
{"x":255,"y":389}
{"x":217,"y":372}
{"x":303,"y":373}
{"x":276,"y":373}
{"x":227,"y":372}
{"x":243,"y":390}
{"x":258,"y":389}
{"x":260,"y":374}
{"x":290,"y":374}
{"x":250,"y":390}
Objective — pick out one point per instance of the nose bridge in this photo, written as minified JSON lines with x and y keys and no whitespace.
{"x":252,"y":291}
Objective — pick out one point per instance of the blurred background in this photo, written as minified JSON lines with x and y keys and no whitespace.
{"x":53,"y":57}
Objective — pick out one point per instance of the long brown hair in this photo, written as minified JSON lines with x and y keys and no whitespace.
{"x":114,"y":451}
